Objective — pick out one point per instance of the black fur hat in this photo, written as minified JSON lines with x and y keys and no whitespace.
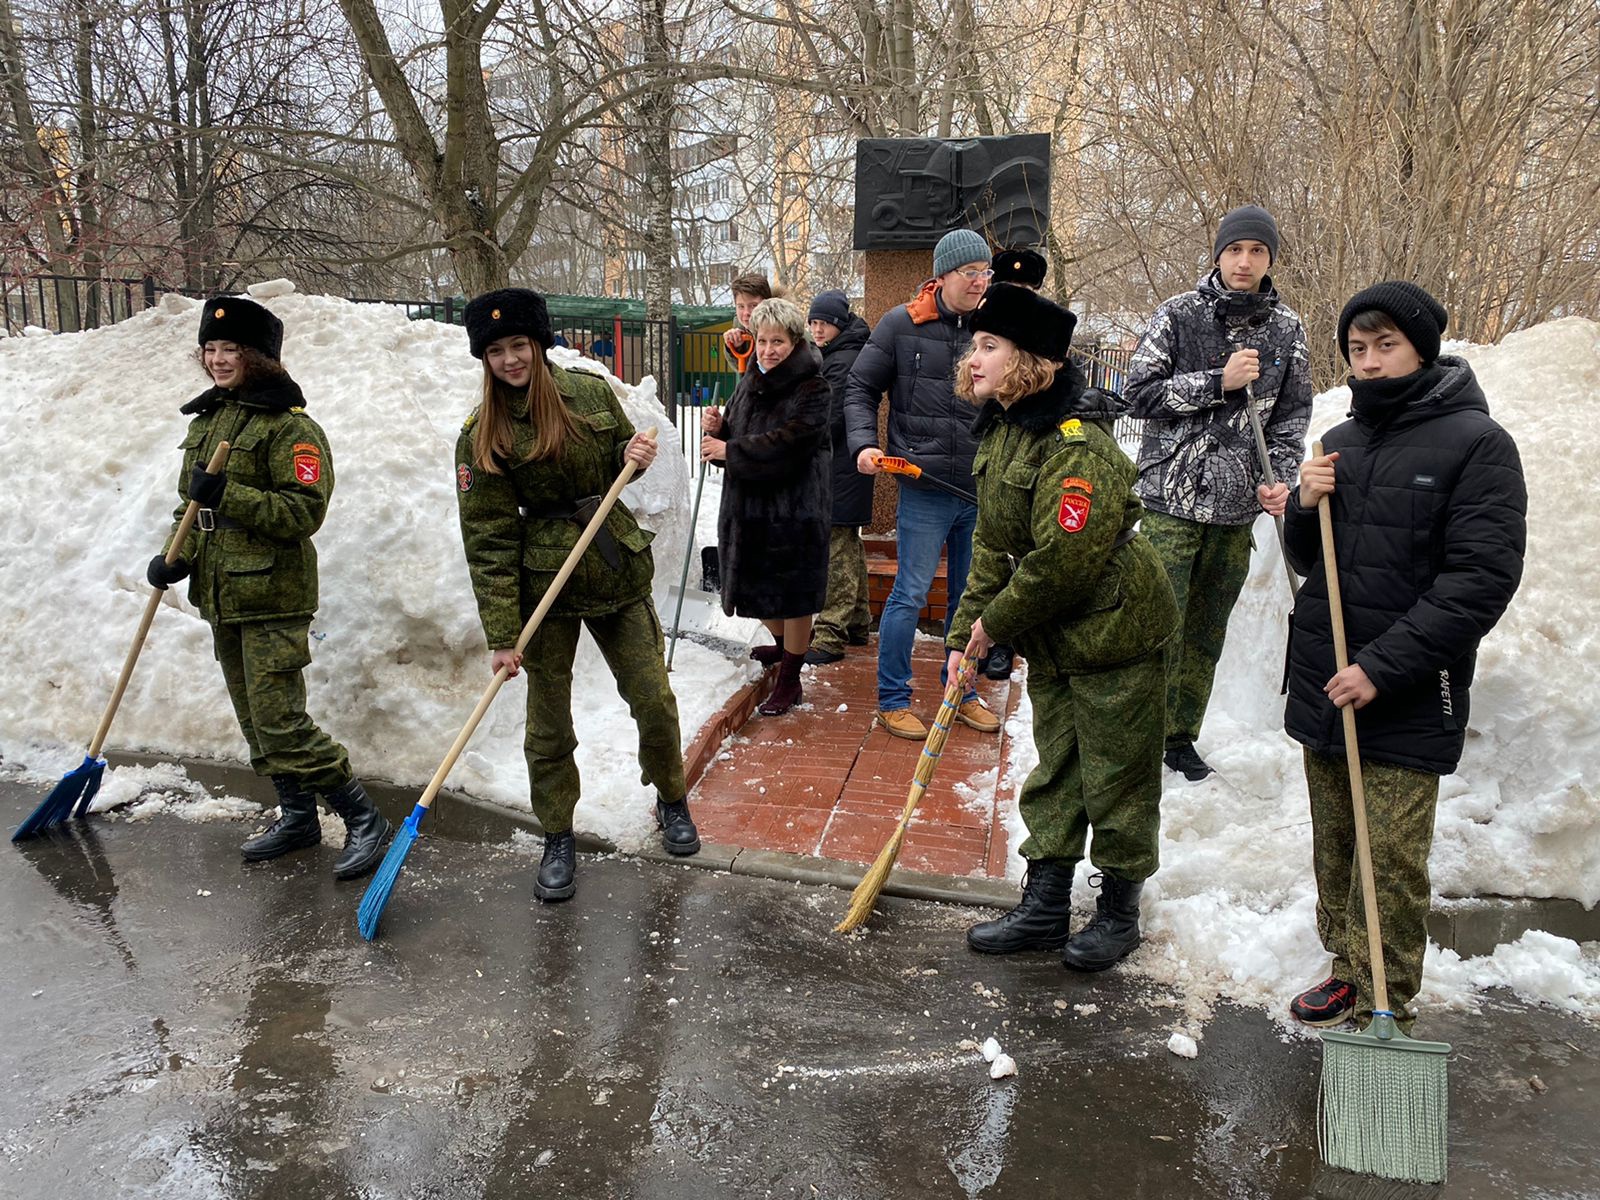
{"x":1026,"y":267}
{"x":507,"y":312}
{"x":236,"y":319}
{"x":1021,"y":315}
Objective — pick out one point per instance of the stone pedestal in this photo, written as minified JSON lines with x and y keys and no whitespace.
{"x":893,"y":277}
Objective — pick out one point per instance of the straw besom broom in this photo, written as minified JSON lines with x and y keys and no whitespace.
{"x":871,"y":885}
{"x":1385,"y":1096}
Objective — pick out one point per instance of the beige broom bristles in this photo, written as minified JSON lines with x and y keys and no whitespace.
{"x":868,"y":890}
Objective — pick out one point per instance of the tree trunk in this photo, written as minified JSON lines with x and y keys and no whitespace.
{"x":655,"y":132}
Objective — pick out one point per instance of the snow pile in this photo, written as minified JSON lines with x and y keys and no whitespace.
{"x":1232,"y":909}
{"x":399,"y":655}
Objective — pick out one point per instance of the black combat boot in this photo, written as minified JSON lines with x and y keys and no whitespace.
{"x":1113,"y":932}
{"x":296,"y":828}
{"x":558,"y":868}
{"x":1040,"y":921}
{"x":1185,"y":759}
{"x":367,"y":831}
{"x":678,"y":834}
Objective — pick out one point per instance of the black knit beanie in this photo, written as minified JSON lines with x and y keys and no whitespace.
{"x":1415,"y":313}
{"x":507,"y":313}
{"x":235,"y":319}
{"x":1247,"y":221}
{"x":1021,"y":315}
{"x":832,"y":306}
{"x":1026,"y":267}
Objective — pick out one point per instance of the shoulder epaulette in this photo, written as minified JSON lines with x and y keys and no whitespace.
{"x":298,"y":409}
{"x":1071,"y":430}
{"x":470,"y":422}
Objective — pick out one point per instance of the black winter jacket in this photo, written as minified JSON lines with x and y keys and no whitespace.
{"x":912,"y":355}
{"x":852,"y":491}
{"x":1429,"y":523}
{"x":773,"y":527}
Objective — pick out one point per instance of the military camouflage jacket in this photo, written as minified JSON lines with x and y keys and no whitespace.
{"x":258,"y":564}
{"x":1198,"y":459}
{"x":1058,"y":570}
{"x":515,"y":546}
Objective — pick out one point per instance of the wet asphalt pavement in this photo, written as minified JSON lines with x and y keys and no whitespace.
{"x":181,"y":1025}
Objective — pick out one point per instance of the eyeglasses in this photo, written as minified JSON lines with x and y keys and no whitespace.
{"x":973,"y":273}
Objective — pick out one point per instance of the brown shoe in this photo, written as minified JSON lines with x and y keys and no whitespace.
{"x":901,"y":724}
{"x":974,"y":715}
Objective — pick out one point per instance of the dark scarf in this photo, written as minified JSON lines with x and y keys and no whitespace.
{"x":1376,"y":402}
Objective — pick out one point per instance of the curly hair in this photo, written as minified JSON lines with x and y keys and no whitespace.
{"x":258,"y":368}
{"x":1024,"y":375}
{"x":785,"y":315}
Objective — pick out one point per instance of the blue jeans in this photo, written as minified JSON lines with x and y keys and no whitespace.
{"x":925,"y":523}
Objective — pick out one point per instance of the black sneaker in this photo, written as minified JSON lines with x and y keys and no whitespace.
{"x":1330,"y":1002}
{"x":859,"y":639}
{"x":1183,"y":759}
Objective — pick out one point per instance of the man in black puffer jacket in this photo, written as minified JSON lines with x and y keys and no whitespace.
{"x":912,"y":356}
{"x":845,"y":619}
{"x":1430,"y":525}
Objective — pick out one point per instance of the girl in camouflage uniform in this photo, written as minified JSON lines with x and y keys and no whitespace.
{"x":253,"y":575}
{"x":1060,"y":571}
{"x":531,"y":465}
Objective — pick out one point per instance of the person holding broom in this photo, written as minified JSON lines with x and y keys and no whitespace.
{"x":1060,"y":571}
{"x":1429,"y":514}
{"x":532,"y":463}
{"x":252,"y":573}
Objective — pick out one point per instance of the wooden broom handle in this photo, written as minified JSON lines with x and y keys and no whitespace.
{"x":528,"y":630}
{"x":1352,"y":754}
{"x":219,"y":459}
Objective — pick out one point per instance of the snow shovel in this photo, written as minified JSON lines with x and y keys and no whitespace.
{"x":688,"y":551}
{"x":377,"y":894}
{"x":1384,"y":1096}
{"x":71,"y":797}
{"x":904,"y":466}
{"x":1268,"y":475}
{"x":871,"y":885}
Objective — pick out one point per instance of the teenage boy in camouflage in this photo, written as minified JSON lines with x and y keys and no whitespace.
{"x":1205,"y":356}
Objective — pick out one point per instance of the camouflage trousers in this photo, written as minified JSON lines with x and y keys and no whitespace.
{"x":845,"y":617}
{"x":1099,"y":737}
{"x":1207,"y":565}
{"x":1400,"y":804}
{"x":261,"y":664}
{"x":631,"y":641}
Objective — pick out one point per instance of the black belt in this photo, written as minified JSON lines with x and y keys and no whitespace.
{"x":209,"y":519}
{"x":581,"y":512}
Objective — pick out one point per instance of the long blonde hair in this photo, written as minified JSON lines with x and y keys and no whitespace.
{"x":553,"y":422}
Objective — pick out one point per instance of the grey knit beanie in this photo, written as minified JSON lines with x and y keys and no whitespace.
{"x":1247,"y":221}
{"x":958,"y":248}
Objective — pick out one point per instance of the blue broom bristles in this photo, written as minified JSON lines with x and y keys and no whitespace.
{"x":377,"y":893}
{"x":76,"y":789}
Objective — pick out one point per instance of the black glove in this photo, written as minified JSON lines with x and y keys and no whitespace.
{"x":160,"y":574}
{"x":205,"y":489}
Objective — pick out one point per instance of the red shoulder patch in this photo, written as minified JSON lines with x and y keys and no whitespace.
{"x":1072,"y":481}
{"x":308,"y":468}
{"x":1074,"y":514}
{"x":464,"y":477}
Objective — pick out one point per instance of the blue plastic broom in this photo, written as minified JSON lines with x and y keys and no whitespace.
{"x":71,"y":797}
{"x":382,"y":886}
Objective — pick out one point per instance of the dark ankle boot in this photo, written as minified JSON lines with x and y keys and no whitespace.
{"x":786,"y":692}
{"x":1113,"y":933}
{"x":296,"y":828}
{"x":367,"y":831}
{"x":1040,"y":921}
{"x":558,"y":868}
{"x":678,"y":834}
{"x":767,"y":656}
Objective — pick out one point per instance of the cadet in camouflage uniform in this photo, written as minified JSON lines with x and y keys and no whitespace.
{"x":1429,"y":512}
{"x":531,"y":464}
{"x":1060,"y":571}
{"x":1200,"y":475}
{"x":253,"y":575}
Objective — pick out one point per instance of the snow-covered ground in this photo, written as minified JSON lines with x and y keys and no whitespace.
{"x":93,"y":422}
{"x":1232,"y":910}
